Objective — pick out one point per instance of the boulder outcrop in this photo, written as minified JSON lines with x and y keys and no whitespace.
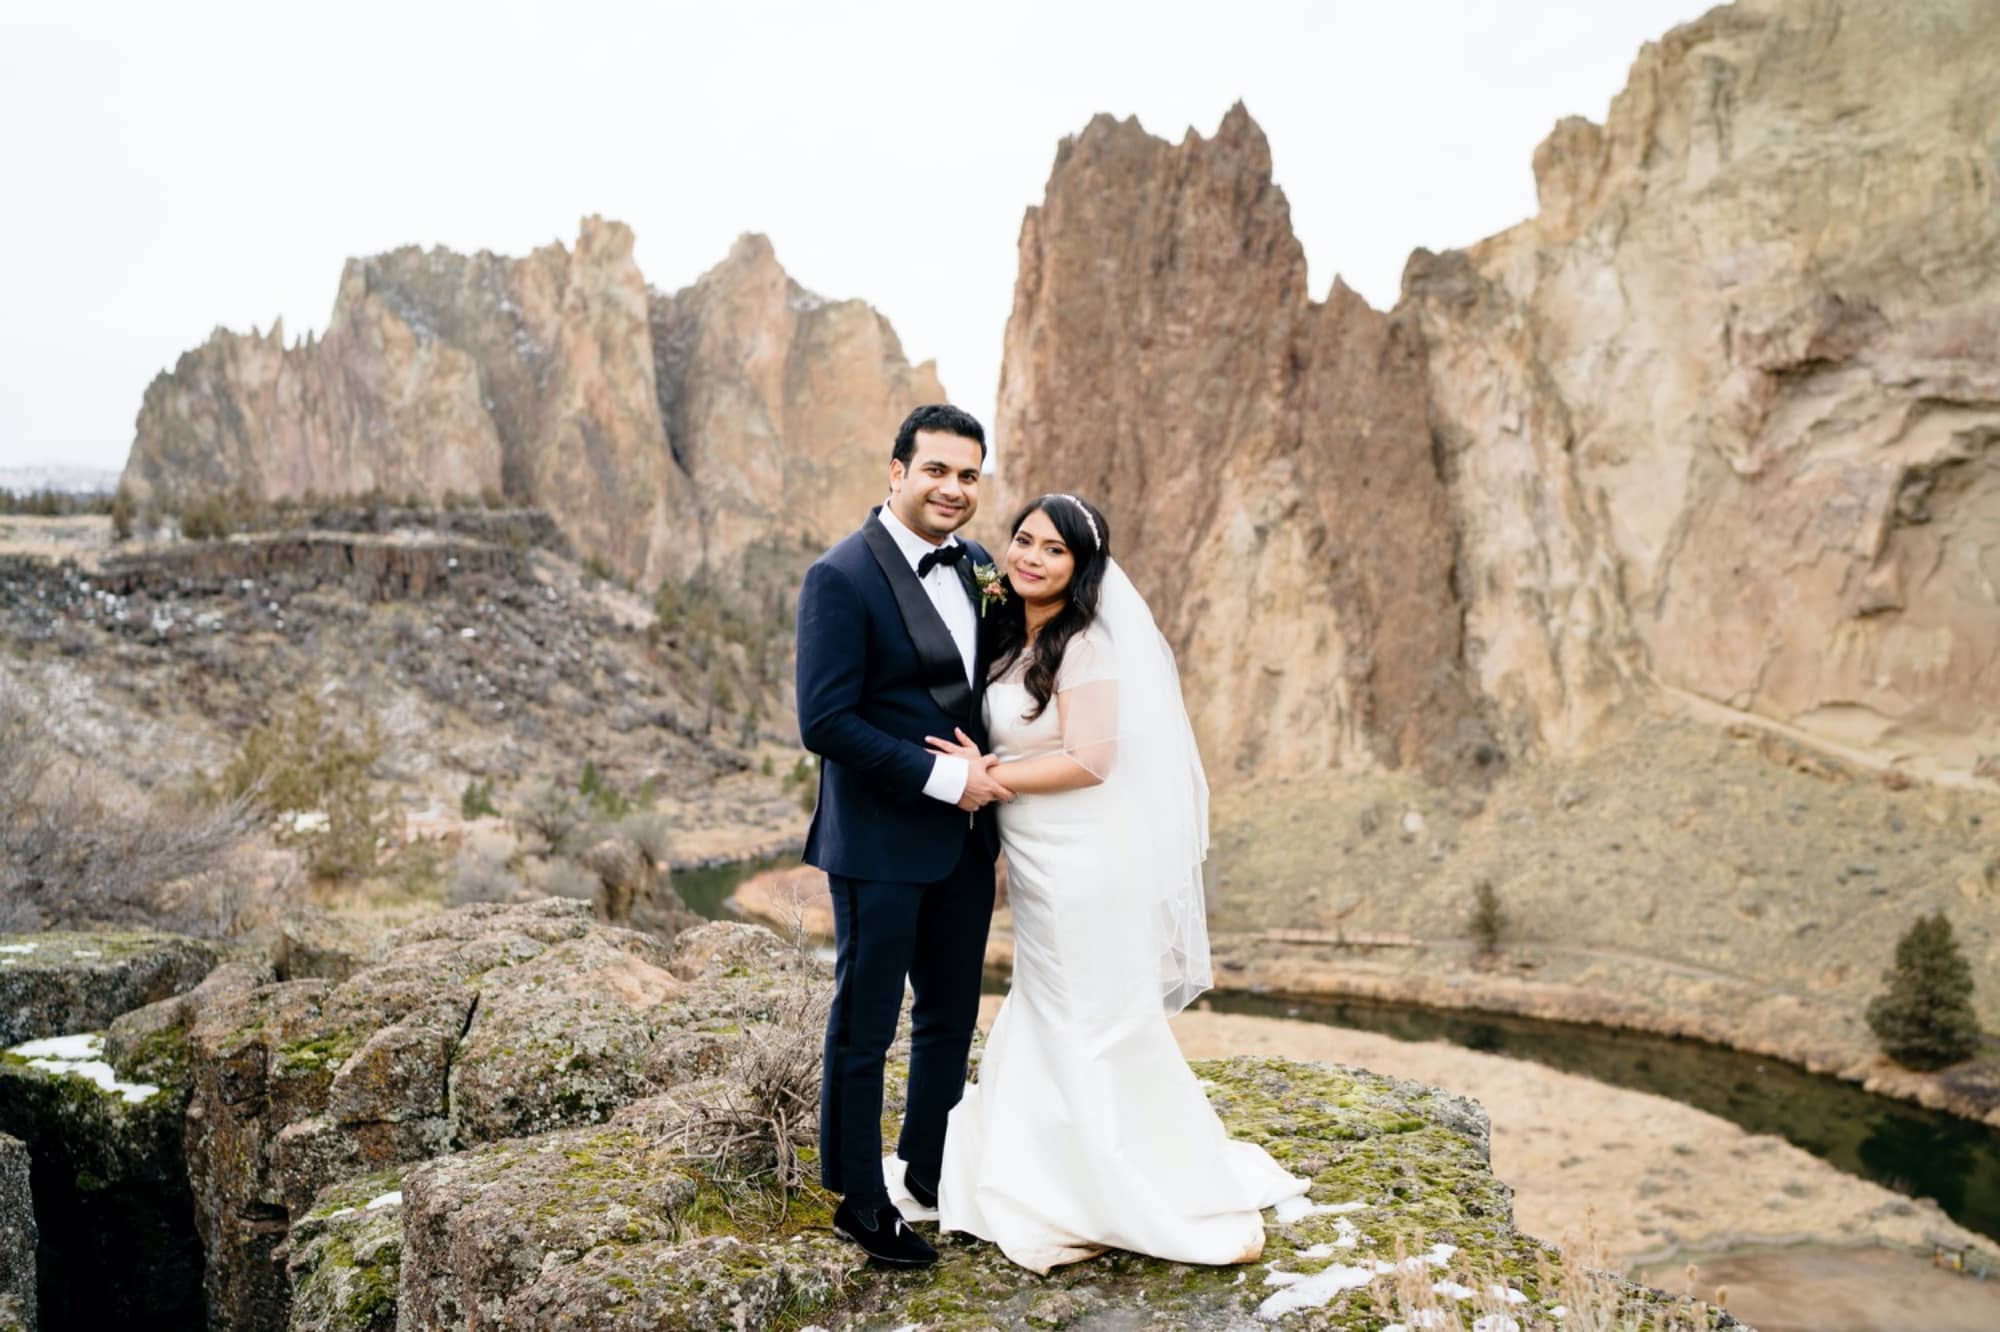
{"x":482,"y":1124}
{"x":1720,"y":420}
{"x":481,"y":1024}
{"x":745,"y":408}
{"x":59,"y":983}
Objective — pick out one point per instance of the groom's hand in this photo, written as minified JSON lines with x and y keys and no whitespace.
{"x":982,"y":788}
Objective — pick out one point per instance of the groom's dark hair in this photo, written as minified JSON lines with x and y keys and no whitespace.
{"x":942,"y":417}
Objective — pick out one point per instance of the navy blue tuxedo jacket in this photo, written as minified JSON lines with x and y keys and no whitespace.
{"x":877,"y":672}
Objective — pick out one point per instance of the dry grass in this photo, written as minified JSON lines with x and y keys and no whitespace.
{"x":751,"y":1136}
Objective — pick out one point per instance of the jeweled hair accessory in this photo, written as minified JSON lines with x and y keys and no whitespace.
{"x":1096,"y":538}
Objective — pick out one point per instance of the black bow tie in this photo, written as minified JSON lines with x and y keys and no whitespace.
{"x":950,"y":554}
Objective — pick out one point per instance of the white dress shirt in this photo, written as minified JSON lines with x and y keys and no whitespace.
{"x":947,"y":593}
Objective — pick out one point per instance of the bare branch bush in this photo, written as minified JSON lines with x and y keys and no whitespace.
{"x":747,"y":1138}
{"x":70,"y":857}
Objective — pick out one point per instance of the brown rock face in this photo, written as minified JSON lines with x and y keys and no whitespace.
{"x":1264,"y":460}
{"x":1724,"y":413}
{"x":781,"y":405}
{"x":662,"y":432}
{"x":1721,"y":419}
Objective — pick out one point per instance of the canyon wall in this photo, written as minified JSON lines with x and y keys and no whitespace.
{"x":1719,"y":421}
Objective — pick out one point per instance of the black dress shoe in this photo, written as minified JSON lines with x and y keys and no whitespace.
{"x":881,"y":1231}
{"x":923,"y":1190}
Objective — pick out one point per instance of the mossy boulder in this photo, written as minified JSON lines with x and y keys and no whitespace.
{"x":604,"y":1229}
{"x":485,"y":1023}
{"x":61,"y":982}
{"x":110,"y":1192}
{"x":345,"y":1256}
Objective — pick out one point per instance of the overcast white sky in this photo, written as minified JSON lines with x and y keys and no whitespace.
{"x":167,"y":168}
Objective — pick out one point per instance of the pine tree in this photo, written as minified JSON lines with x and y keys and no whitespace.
{"x":1488,"y":920}
{"x":1925,"y":1019}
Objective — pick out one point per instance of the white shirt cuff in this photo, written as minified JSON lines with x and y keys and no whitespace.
{"x":948,"y":777}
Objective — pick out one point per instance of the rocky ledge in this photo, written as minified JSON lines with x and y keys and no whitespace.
{"x":479,"y":1128}
{"x":59,"y":983}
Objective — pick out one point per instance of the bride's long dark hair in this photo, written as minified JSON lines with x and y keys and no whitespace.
{"x":1084,"y":530}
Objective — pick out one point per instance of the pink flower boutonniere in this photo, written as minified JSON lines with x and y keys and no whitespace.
{"x":992,"y":587}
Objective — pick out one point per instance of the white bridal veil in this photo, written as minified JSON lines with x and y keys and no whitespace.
{"x":1142,"y":933}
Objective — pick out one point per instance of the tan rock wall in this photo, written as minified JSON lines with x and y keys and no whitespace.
{"x":1264,"y":461}
{"x":664,"y":433}
{"x":1723,"y":414}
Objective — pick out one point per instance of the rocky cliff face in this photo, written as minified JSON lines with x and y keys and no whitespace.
{"x":781,"y":405}
{"x":660,"y":431}
{"x":1265,"y":460}
{"x":1721,"y":418}
{"x":1724,"y":413}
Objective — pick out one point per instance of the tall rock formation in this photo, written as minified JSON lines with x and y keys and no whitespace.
{"x":781,"y":405}
{"x":1264,"y":461}
{"x":664,"y":433}
{"x":1731,"y":399}
{"x":1721,"y":419}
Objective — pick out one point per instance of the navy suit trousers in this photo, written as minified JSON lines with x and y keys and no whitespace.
{"x":935,"y":935}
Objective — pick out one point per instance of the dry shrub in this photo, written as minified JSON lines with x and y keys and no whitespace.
{"x":563,"y":877}
{"x":70,"y":857}
{"x":481,"y":873}
{"x":748,"y":1137}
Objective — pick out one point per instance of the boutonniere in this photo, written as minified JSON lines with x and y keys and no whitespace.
{"x":992,"y":587}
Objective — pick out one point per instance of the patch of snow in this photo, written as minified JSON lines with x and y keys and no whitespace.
{"x":1451,"y":1290}
{"x":1302,"y":1291}
{"x":17,"y":948}
{"x":1506,"y":1293}
{"x":338,"y":1211}
{"x":79,"y":1056}
{"x":307,"y":820}
{"x":386,"y":1200}
{"x":1495,"y":1323}
{"x":1299,"y":1207}
{"x":468,"y":632}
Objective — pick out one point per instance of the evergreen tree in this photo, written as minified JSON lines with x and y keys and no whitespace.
{"x":1488,"y":920}
{"x":1925,"y":1019}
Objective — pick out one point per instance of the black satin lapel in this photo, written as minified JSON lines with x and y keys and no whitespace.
{"x":965,"y":567}
{"x":944,"y":669}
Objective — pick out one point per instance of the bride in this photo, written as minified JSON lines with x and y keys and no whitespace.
{"x":1086,"y":1129}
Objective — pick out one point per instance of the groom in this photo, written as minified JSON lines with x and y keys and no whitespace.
{"x":888,"y":653}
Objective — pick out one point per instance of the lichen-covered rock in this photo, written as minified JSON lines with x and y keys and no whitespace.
{"x":484,"y":1023}
{"x":605,"y":1229}
{"x":17,"y":1239}
{"x":313,"y":944}
{"x":111,"y":1199}
{"x":56,"y":983}
{"x":345,"y":1255}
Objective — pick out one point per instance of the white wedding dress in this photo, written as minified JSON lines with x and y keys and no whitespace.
{"x":1087,"y":1130}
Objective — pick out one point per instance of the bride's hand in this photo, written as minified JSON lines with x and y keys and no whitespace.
{"x":964,"y":749}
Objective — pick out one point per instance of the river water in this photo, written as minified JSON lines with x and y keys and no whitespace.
{"x":1911,"y":1150}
